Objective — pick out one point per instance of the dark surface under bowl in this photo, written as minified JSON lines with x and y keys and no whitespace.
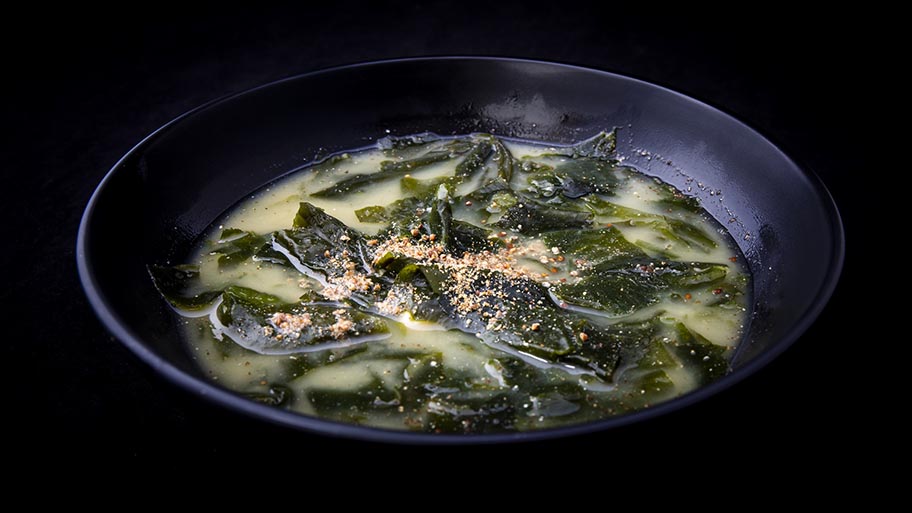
{"x":176,"y":182}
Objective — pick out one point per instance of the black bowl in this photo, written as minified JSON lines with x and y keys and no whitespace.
{"x":171,"y":186}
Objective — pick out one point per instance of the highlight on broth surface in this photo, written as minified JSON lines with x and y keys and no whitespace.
{"x":463,"y":285}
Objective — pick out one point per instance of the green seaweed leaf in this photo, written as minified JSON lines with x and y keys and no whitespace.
{"x":400,"y":212}
{"x":314,"y":240}
{"x":249,"y":318}
{"x":395,"y":169}
{"x":617,"y":277}
{"x":621,"y":290}
{"x":471,"y":412}
{"x":504,"y":160}
{"x":422,"y":189}
{"x":180,"y":286}
{"x":474,"y":160}
{"x":601,"y":146}
{"x":576,"y":178}
{"x":235,"y":246}
{"x":518,"y":314}
{"x":530,"y":218}
{"x":276,"y":395}
{"x":394,"y":146}
{"x":595,"y":246}
{"x":674,"y":230}
{"x":696,"y":352}
{"x":672,"y":200}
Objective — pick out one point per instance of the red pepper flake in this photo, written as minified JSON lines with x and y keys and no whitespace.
{"x":583,"y":336}
{"x":733,"y":259}
{"x":717,"y":291}
{"x":687,"y":296}
{"x":608,"y":225}
{"x":554,"y":269}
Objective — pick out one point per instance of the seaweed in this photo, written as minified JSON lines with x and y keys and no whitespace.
{"x":180,"y":286}
{"x":395,"y":168}
{"x":577,"y":342}
{"x":255,"y":321}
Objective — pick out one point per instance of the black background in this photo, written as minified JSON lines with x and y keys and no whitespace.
{"x":88,"y":85}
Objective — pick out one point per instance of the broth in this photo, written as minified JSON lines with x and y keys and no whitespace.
{"x":463,"y":285}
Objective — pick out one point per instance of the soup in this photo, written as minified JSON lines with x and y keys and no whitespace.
{"x":467,"y":284}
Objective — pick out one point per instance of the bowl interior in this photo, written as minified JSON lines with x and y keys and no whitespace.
{"x":168,"y":189}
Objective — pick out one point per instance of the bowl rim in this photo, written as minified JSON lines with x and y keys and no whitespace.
{"x":214,"y":393}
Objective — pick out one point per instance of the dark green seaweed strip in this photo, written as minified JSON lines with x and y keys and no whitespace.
{"x":176,"y":285}
{"x":392,"y":169}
